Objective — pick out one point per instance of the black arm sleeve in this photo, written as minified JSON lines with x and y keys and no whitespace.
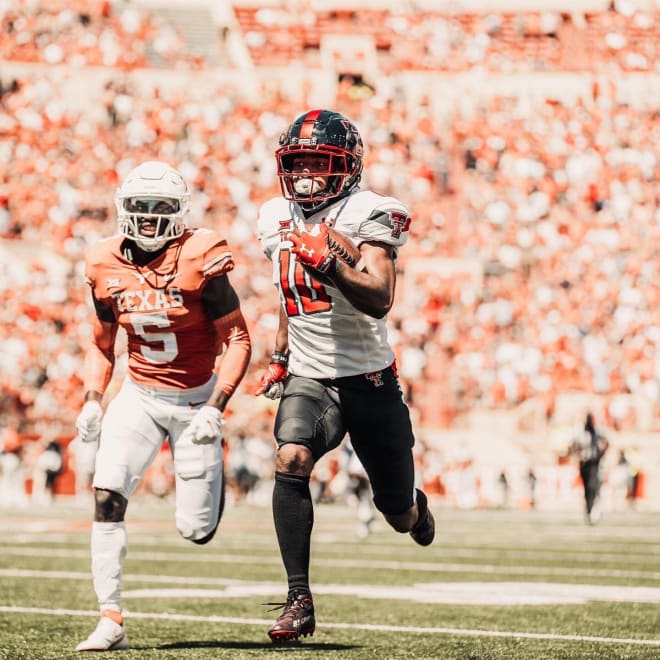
{"x":103,"y":311}
{"x":219,"y":297}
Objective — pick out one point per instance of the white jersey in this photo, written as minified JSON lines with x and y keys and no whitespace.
{"x":328,"y":337}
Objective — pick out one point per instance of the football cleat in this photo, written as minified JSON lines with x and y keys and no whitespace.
{"x":297,"y":618}
{"x":107,"y":636}
{"x":423,"y":532}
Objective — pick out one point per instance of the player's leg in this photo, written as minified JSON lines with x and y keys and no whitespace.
{"x":591,"y":490}
{"x":198,"y":469}
{"x":382,"y":436}
{"x":130,"y":440}
{"x":199,"y":487}
{"x":308,"y":424}
{"x":585,"y":477}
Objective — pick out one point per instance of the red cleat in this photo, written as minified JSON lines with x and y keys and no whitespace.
{"x":297,"y":618}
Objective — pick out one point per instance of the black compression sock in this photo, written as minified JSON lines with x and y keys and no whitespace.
{"x":293,"y":514}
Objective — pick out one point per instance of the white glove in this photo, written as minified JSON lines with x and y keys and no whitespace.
{"x":206,"y":426}
{"x":88,"y":423}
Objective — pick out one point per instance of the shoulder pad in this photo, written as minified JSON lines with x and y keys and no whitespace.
{"x":216,"y":257}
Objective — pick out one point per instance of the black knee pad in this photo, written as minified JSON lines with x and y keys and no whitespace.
{"x":109,"y":506}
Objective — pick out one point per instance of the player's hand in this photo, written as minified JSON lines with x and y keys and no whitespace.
{"x":206,"y":426}
{"x":272,"y":381}
{"x":313,"y":250}
{"x":88,"y":423}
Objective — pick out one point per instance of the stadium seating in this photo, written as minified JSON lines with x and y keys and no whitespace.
{"x":521,"y":140}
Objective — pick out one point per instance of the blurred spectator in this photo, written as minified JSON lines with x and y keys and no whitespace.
{"x":635,"y":476}
{"x":619,"y":477}
{"x":531,"y":268}
{"x":531,"y":483}
{"x":47,"y":467}
{"x":504,"y":490}
{"x":242,"y":477}
{"x":359,"y":492}
{"x":12,"y":471}
{"x":83,"y":455}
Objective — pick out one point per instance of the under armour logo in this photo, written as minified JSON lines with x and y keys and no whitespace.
{"x":305,"y":250}
{"x":376,"y":377}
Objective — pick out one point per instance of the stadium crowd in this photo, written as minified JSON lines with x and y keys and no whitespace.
{"x":532,"y":269}
{"x":79,"y":33}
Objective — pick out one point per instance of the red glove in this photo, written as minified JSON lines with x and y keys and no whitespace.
{"x":272,"y":381}
{"x":313,"y":250}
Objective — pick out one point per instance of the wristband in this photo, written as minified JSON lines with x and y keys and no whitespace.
{"x":278,"y":357}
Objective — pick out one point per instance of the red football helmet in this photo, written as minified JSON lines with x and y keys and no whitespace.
{"x":332,"y":145}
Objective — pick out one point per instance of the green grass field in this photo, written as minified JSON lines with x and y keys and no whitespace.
{"x":495,"y":584}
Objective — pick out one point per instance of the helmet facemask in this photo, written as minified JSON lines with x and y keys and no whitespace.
{"x":333,"y":147}
{"x":151,"y":205}
{"x":314,"y":189}
{"x":151,"y":221}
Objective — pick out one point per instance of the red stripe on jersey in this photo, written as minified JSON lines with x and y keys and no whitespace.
{"x":308,"y":123}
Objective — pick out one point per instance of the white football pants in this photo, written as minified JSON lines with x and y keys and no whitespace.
{"x":134,"y":427}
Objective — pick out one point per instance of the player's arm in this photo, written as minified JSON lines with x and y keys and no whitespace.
{"x":97,"y":370}
{"x":282,"y":336}
{"x":370,"y":290}
{"x":100,"y":356}
{"x":222,"y":304}
{"x":271,"y":383}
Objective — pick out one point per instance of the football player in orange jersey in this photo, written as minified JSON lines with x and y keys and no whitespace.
{"x":167,"y":286}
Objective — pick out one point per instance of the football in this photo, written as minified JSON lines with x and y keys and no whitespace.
{"x":344,"y":248}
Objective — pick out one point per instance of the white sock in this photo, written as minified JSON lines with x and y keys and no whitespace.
{"x":109,"y":545}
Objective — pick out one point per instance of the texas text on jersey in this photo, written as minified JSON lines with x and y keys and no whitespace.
{"x":160,"y":305}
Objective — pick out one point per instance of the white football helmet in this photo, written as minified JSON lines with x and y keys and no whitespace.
{"x":151,"y":204}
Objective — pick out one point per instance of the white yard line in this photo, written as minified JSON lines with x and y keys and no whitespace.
{"x":339,"y":547}
{"x":500,"y":593}
{"x":343,"y":626}
{"x":362,"y":564}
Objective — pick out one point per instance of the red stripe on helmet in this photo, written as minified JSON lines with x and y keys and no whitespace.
{"x":308,"y":123}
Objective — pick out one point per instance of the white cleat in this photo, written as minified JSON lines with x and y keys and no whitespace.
{"x":108,"y":636}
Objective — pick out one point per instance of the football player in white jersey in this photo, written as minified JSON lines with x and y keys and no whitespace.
{"x":167,"y":286}
{"x":332,"y":365}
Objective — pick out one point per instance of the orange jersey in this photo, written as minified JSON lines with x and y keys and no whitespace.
{"x":171,"y":341}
